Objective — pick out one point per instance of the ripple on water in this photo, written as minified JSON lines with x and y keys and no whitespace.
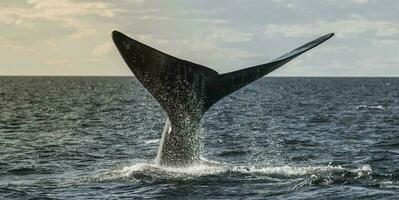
{"x":56,"y":130}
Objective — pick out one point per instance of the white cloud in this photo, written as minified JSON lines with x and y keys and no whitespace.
{"x":377,"y":62}
{"x":58,"y":61}
{"x":66,"y":12}
{"x":158,"y":17}
{"x":343,"y":28}
{"x":18,"y":48}
{"x":102,"y":49}
{"x":208,"y":21}
{"x":56,"y":9}
{"x":153,"y":17}
{"x":210,"y":43}
{"x":138,"y":1}
{"x":226,"y":35}
{"x":360,"y":1}
{"x":207,"y":43}
{"x":385,"y":42}
{"x":287,"y":3}
{"x":211,"y":51}
{"x":223,"y":35}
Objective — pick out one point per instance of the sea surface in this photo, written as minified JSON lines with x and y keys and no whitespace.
{"x":279,"y":138}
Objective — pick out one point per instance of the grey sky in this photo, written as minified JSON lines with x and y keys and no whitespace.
{"x":70,"y":37}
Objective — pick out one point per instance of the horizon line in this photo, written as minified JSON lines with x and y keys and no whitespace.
{"x":272,"y":76}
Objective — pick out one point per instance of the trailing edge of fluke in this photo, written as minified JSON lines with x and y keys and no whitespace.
{"x":186,"y":90}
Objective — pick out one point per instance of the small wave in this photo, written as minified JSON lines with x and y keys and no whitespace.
{"x":152,"y":141}
{"x":328,"y":179}
{"x":387,"y":144}
{"x":365,"y":107}
{"x":21,"y":171}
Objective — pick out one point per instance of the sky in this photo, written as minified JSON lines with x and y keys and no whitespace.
{"x":73,"y":37}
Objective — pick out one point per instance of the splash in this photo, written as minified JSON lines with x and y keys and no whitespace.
{"x":346,"y":177}
{"x":149,"y":171}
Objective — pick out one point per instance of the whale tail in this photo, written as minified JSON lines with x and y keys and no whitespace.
{"x":173,"y":81}
{"x":225,"y":84}
{"x":186,"y":90}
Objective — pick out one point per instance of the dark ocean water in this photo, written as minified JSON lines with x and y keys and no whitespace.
{"x":279,"y":138}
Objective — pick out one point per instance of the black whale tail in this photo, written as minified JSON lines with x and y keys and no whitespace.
{"x":178,"y":85}
{"x":184,"y":88}
{"x":187,"y":90}
{"x":225,"y":84}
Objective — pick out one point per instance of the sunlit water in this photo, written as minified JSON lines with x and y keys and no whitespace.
{"x":279,"y":138}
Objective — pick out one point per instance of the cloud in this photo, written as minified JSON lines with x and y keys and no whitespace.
{"x":208,"y":42}
{"x":360,"y":1}
{"x":384,"y":42}
{"x":58,"y":61}
{"x":153,"y":17}
{"x":287,"y":3}
{"x":102,"y":49}
{"x":376,"y":66}
{"x":138,"y":1}
{"x":343,"y":28}
{"x":211,"y":42}
{"x":57,"y":9}
{"x":221,"y":34}
{"x":379,"y":62}
{"x":67,"y":13}
{"x":18,"y":48}
{"x":226,"y":35}
{"x":216,"y":48}
{"x":212,"y":50}
{"x":207,"y":20}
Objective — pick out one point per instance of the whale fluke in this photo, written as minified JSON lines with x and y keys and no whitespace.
{"x":225,"y":84}
{"x":186,"y":90}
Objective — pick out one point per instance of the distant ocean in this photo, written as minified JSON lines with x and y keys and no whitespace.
{"x":279,"y":138}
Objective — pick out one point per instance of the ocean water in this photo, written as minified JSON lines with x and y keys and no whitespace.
{"x":279,"y":138}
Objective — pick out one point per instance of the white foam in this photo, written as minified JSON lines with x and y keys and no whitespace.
{"x":377,"y":107}
{"x":363,"y":171}
{"x":293,"y":171}
{"x":214,"y":168}
{"x":152,"y":141}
